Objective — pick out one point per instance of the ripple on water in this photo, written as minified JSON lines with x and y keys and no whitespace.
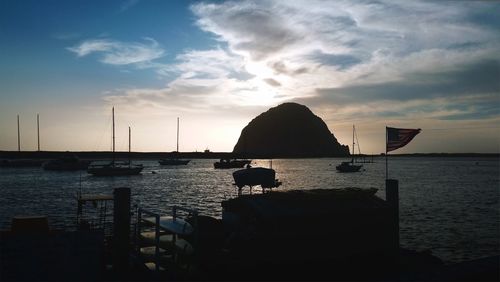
{"x":447,"y":205}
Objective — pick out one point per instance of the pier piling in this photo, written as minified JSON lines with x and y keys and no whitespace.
{"x":392,"y":198}
{"x":121,"y":229}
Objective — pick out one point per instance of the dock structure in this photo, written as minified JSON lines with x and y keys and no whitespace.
{"x":323,"y":234}
{"x":99,"y":216}
{"x":31,"y":251}
{"x":301,"y":233}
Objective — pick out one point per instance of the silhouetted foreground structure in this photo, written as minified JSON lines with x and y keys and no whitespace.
{"x":288,"y":130}
{"x":30,"y":251}
{"x":313,"y":234}
{"x":324,"y":234}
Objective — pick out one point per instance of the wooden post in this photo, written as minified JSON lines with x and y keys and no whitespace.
{"x":386,"y":165}
{"x":392,"y":198}
{"x":121,"y":229}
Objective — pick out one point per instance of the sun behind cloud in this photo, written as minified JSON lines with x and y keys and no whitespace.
{"x":370,"y":63}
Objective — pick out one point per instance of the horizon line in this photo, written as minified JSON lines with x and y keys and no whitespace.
{"x":223,"y":152}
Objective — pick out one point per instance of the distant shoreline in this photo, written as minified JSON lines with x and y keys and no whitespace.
{"x":201,"y":155}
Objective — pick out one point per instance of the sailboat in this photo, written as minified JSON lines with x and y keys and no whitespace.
{"x":69,"y":162}
{"x":174,"y":160}
{"x":349,"y":166}
{"x":227,"y":162}
{"x":114,"y":168}
{"x":17,"y":162}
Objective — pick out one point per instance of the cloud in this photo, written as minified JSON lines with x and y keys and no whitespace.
{"x":263,"y":36}
{"x":207,"y":81}
{"x":120,"y":53}
{"x":342,"y":62}
{"x":349,"y":60}
{"x":474,"y":79}
{"x":272,"y":82}
{"x":345,"y":41}
{"x":215,"y":63}
{"x":461,"y":92}
{"x":280,"y":67}
{"x":262,"y":29}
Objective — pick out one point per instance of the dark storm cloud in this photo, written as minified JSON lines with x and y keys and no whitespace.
{"x":482,"y":77}
{"x":478,"y":110}
{"x":249,"y":28}
{"x":342,"y":62}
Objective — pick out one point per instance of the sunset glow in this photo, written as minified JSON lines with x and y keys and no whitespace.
{"x":217,"y":65}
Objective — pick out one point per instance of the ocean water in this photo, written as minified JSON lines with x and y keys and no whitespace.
{"x":448,"y":206}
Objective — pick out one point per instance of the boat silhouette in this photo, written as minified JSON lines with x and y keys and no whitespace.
{"x":115,"y":168}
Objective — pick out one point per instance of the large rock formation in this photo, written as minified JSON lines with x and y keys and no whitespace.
{"x":288,"y":130}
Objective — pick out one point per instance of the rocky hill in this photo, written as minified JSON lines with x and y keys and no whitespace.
{"x":288,"y":130}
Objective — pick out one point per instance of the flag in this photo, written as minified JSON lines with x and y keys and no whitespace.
{"x":399,"y":137}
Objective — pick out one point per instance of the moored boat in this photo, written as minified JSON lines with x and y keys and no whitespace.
{"x":16,"y":163}
{"x":67,"y":163}
{"x":234,"y":163}
{"x":174,"y":160}
{"x":115,"y":168}
{"x":350,"y":166}
{"x":21,"y":163}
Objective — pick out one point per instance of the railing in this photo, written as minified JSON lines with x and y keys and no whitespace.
{"x":100,"y":217}
{"x":156,"y":216}
{"x":165,"y":225}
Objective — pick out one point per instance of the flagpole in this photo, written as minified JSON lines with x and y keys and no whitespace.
{"x":386,"y":166}
{"x":399,"y":138}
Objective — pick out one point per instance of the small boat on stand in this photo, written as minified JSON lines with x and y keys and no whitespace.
{"x":253,"y":176}
{"x":115,"y":168}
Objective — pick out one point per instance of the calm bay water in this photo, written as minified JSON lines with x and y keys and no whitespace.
{"x":449,"y":206}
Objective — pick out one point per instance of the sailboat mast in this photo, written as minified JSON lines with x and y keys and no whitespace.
{"x":113,"y":114}
{"x":129,"y":138}
{"x":38,"y":130}
{"x":18,"y":136}
{"x":352,"y":157}
{"x":177,"y":134}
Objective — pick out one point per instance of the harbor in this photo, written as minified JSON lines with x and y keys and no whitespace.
{"x":249,"y":141}
{"x":221,"y":198}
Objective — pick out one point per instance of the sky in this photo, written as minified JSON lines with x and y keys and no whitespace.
{"x":216,"y":65}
